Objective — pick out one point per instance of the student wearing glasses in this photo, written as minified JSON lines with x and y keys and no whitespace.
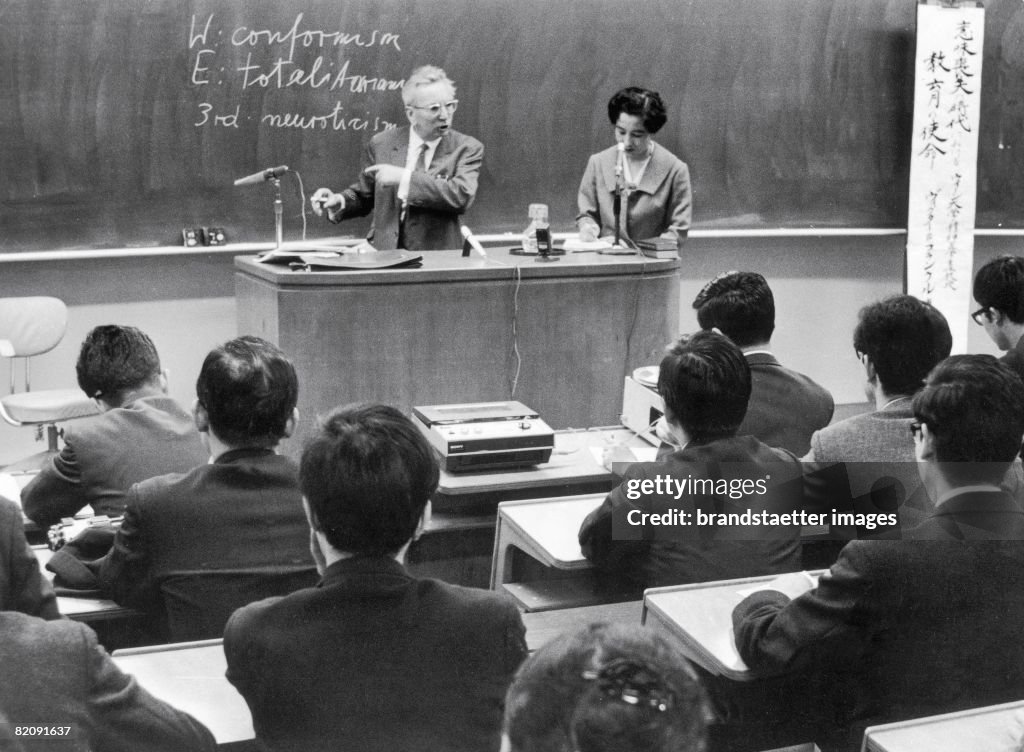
{"x":999,"y":290}
{"x":417,"y":179}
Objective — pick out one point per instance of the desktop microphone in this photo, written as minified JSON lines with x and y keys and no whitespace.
{"x":471,"y":239}
{"x":262,"y":175}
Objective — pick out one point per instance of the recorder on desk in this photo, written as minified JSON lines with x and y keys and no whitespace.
{"x":485,"y":435}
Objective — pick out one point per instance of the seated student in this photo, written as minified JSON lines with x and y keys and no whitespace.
{"x":606,"y":688}
{"x":57,"y":676}
{"x":140,"y":433}
{"x":373,"y":658}
{"x":999,"y":290}
{"x":785,"y":407}
{"x":898,"y":340}
{"x":195,"y":546}
{"x":904,"y":629}
{"x":22,"y":586}
{"x":705,"y":383}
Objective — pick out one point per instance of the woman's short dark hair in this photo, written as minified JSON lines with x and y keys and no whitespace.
{"x":367,"y":476}
{"x":606,"y":687}
{"x":704,"y":380}
{"x":249,"y":389}
{"x":639,"y":102}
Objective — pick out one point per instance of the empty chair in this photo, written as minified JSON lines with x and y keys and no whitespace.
{"x":32,"y":326}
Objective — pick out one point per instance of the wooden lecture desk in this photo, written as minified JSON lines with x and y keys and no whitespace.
{"x":999,"y":728}
{"x":557,"y":336}
{"x":190,"y":676}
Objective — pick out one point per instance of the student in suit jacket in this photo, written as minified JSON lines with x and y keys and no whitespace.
{"x":898,"y":340}
{"x":373,"y":659}
{"x":193,"y":547}
{"x":56,"y":675}
{"x":140,"y":432}
{"x":705,"y":382}
{"x":786,"y":406}
{"x":22,"y":586}
{"x":902,"y":629}
{"x":417,"y":180}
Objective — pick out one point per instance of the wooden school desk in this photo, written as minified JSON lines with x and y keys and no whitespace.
{"x":999,"y":728}
{"x":443,"y":333}
{"x":544,"y":626}
{"x":700,"y":616}
{"x":190,"y":676}
{"x":458,"y":543}
{"x":545,"y":530}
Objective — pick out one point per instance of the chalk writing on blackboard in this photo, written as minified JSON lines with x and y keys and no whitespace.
{"x":231,"y":61}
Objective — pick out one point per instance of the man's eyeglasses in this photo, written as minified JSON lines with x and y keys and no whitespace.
{"x":435,"y":109}
{"x":983,"y":311}
{"x":915,"y":429}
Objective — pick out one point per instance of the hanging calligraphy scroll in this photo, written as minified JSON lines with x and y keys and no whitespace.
{"x":944,"y":157}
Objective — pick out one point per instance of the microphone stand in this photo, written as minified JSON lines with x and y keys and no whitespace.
{"x":617,"y":201}
{"x":278,"y":212}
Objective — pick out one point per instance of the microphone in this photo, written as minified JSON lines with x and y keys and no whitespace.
{"x":262,"y":175}
{"x":473,"y":242}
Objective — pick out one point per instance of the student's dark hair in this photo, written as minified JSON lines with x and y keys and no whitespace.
{"x":249,"y":389}
{"x":740,"y":305}
{"x":367,"y":476}
{"x":973,"y":406}
{"x":606,"y":688}
{"x":904,"y":338}
{"x":704,"y":380}
{"x":1000,"y":284}
{"x":115,"y":360}
{"x":638,"y":102}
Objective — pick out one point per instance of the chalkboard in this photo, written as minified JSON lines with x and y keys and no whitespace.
{"x":124,"y":121}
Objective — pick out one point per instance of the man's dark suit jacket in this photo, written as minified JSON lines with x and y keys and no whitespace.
{"x":22,"y":586}
{"x":375,"y":660}
{"x":436,"y":197}
{"x":785,"y":406}
{"x":103,"y":456}
{"x":902,"y":629}
{"x":1014,"y":358}
{"x":629,"y":560}
{"x":57,"y":675}
{"x":194,"y":547}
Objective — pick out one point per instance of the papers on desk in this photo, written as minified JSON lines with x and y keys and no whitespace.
{"x":622,"y":455}
{"x":575,"y":245}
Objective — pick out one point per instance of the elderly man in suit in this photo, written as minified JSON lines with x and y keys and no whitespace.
{"x":902,"y":629}
{"x":786,"y":406}
{"x":373,"y":659}
{"x":418,"y":179}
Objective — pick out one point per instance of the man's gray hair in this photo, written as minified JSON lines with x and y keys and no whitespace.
{"x":424,"y":76}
